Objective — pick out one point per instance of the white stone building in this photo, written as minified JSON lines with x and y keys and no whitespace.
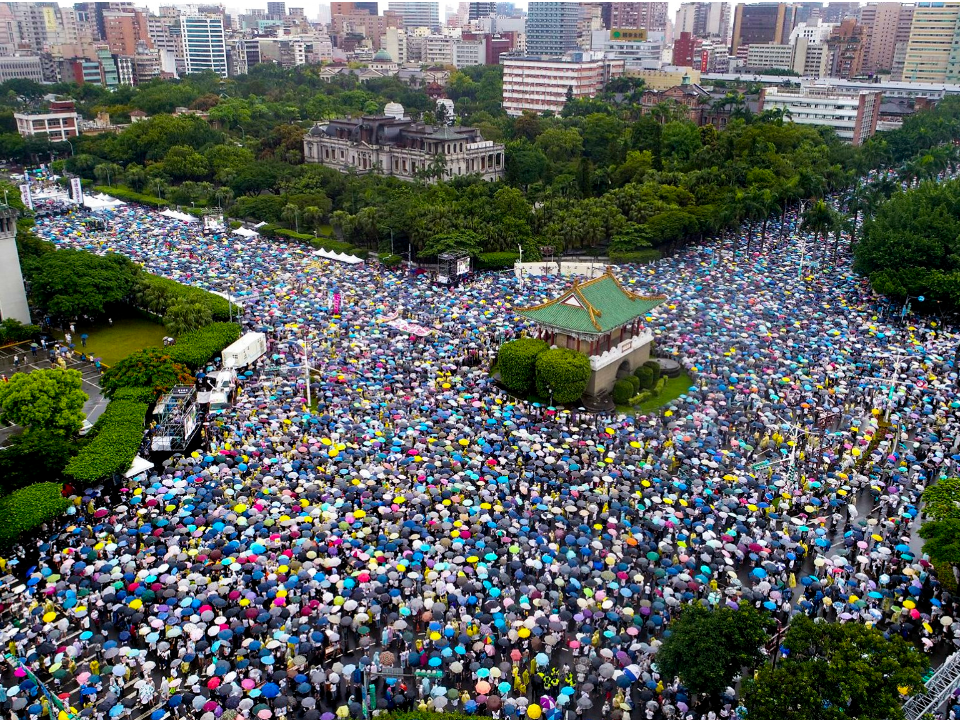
{"x":402,"y":148}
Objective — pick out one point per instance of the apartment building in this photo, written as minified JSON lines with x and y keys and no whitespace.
{"x":539,"y":84}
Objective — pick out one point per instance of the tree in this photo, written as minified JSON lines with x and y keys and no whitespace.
{"x":818,"y":218}
{"x":107,"y":171}
{"x":50,"y":400}
{"x":452,"y":241}
{"x":516,"y":363}
{"x":290,"y":213}
{"x":69,"y":283}
{"x":708,"y":648}
{"x":942,"y":540}
{"x":562,"y":375}
{"x":185,"y":316}
{"x":941,"y":500}
{"x":34,"y":456}
{"x":680,"y":141}
{"x":525,"y":163}
{"x":835,"y":671}
{"x":152,"y":368}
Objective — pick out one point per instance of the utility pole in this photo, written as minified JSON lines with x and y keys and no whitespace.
{"x":520,"y":266}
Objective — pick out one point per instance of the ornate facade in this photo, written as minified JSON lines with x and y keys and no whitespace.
{"x":403,"y":148}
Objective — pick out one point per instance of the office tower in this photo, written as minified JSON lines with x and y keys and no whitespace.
{"x":650,"y":15}
{"x":807,"y":12}
{"x":846,"y":45}
{"x":203,"y":44}
{"x":933,"y":49}
{"x":552,"y":28}
{"x":349,"y":8}
{"x":417,"y":14}
{"x":123,"y":29}
{"x":885,"y":25}
{"x":479,"y":10}
{"x":704,"y":19}
{"x":834,"y":12}
{"x":762,"y":23}
{"x":276,"y":9}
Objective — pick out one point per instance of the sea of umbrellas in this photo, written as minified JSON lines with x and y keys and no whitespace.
{"x":417,"y":517}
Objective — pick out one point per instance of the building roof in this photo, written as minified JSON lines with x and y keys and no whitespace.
{"x":594,"y":307}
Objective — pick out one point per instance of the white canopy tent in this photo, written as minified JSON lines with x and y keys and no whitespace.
{"x":339,"y":257}
{"x":246,"y":232}
{"x":101,"y":202}
{"x":139,"y":466}
{"x":182,"y":217}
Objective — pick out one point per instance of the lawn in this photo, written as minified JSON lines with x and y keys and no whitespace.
{"x":674,"y":388}
{"x":112,"y":343}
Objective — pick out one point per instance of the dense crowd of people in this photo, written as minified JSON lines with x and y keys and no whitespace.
{"x":524,"y":560}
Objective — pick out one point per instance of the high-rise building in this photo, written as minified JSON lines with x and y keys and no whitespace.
{"x":807,"y":12}
{"x":704,"y":19}
{"x":349,"y":8}
{"x":835,"y":12}
{"x":123,"y":29}
{"x":479,"y":10}
{"x":762,"y":23}
{"x":933,"y":50}
{"x":684,"y":46}
{"x":276,"y":9}
{"x":853,"y":114}
{"x":203,"y":44}
{"x":885,"y":25}
{"x":417,"y":14}
{"x":649,"y":15}
{"x":540,"y":84}
{"x":552,"y":28}
{"x":846,"y":45}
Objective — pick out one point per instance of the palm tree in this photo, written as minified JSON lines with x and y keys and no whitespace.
{"x":224,"y":196}
{"x":753,"y":209}
{"x":767,"y":204}
{"x":818,"y":218}
{"x":313,"y":215}
{"x":291,"y":212}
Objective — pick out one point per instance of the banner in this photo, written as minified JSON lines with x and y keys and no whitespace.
{"x":463,"y":266}
{"x":76,"y":190}
{"x":336,"y":303}
{"x":25,"y":195}
{"x":409,"y":327}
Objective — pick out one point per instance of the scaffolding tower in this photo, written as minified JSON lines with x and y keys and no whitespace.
{"x":177,"y":423}
{"x":939,"y":688}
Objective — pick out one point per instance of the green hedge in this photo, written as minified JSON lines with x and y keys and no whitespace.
{"x":622,"y":392}
{"x":119,"y":432}
{"x":391,"y":261}
{"x":655,"y":368}
{"x":318,"y":242}
{"x":137,"y":394}
{"x":517,"y":361}
{"x":634,"y":383}
{"x":12,"y":331}
{"x":565,"y":371}
{"x":658,"y":388}
{"x":29,"y":507}
{"x":124,"y":193}
{"x":195,"y":348}
{"x":150,"y":368}
{"x":635,"y":256}
{"x":496,"y":260}
{"x":168,"y":293}
{"x":645,"y":376}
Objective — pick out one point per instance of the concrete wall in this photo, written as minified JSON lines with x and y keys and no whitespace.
{"x":602,"y":380}
{"x":567,"y":267}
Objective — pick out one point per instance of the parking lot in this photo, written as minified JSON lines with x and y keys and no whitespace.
{"x":94,"y":406}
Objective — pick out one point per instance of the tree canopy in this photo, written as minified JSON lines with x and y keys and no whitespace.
{"x":50,"y":400}
{"x":68,"y":283}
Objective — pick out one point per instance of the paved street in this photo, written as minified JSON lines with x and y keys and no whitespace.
{"x":94,"y":406}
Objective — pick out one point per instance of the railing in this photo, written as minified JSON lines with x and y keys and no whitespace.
{"x":620,"y":351}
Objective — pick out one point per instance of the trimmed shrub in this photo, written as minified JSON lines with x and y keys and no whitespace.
{"x":30,"y":507}
{"x":137,"y":394}
{"x":645,"y":376}
{"x":391,"y":261}
{"x":517,"y":363}
{"x":655,"y":366}
{"x":319,"y":242}
{"x":12,"y":331}
{"x":496,"y":260}
{"x":195,"y":348}
{"x":565,"y":371}
{"x":159,"y":294}
{"x":622,"y":392}
{"x":641,"y":398}
{"x":634,"y":383}
{"x":125,"y":193}
{"x":118,"y":434}
{"x":151,"y":368}
{"x":635,"y":256}
{"x":658,"y":388}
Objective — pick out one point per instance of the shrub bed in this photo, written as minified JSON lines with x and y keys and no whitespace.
{"x":565,"y":372}
{"x":391,"y":261}
{"x":195,"y":348}
{"x":29,"y":507}
{"x":622,"y":391}
{"x":517,"y":362}
{"x":118,"y":434}
{"x":318,"y":242}
{"x":151,"y":369}
{"x":125,"y":193}
{"x":635,"y":256}
{"x":12,"y":331}
{"x":163,"y":293}
{"x":496,"y":260}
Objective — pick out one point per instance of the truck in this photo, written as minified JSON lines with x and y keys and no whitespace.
{"x":245,"y":350}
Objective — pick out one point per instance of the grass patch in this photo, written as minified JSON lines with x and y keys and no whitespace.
{"x":112,"y":343}
{"x":674,"y":388}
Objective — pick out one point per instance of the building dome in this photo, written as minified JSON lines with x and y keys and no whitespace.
{"x":315,"y":131}
{"x":382,"y":56}
{"x":394,"y":110}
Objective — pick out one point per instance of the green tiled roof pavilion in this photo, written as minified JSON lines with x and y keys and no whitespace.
{"x":595,"y":307}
